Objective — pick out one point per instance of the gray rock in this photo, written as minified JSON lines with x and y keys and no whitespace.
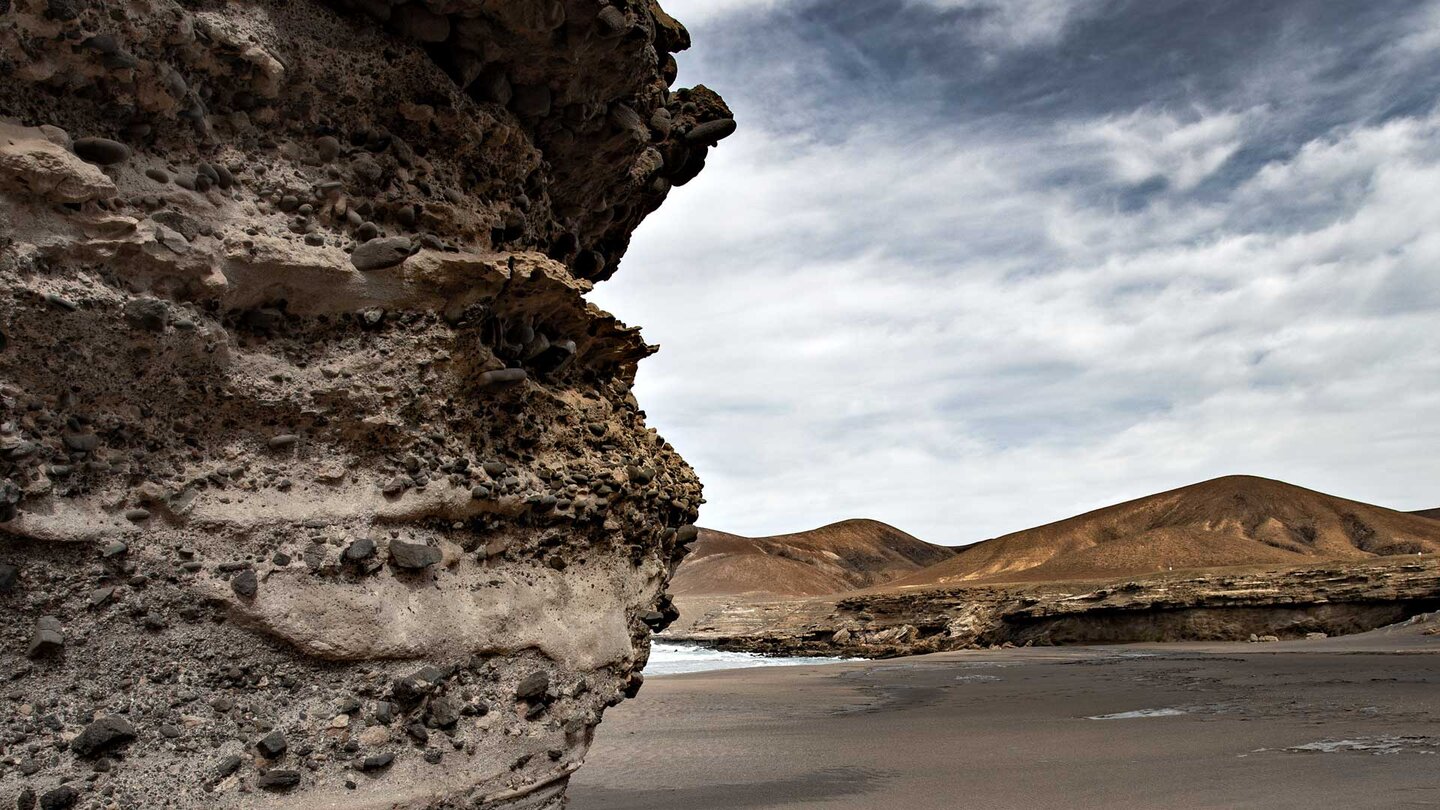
{"x":228,"y":765}
{"x":273,"y":744}
{"x":60,"y":798}
{"x":532,"y":686}
{"x":502,"y":378}
{"x":103,"y":735}
{"x":378,"y":254}
{"x":443,"y":713}
{"x":101,"y":151}
{"x":9,"y":577}
{"x":149,"y":314}
{"x":48,"y":639}
{"x":413,"y":556}
{"x":376,"y":762}
{"x":278,"y":779}
{"x":245,"y":584}
{"x":362,"y":549}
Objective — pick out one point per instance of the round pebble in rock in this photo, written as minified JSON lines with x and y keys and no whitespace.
{"x":502,"y":378}
{"x":101,"y":151}
{"x":611,"y":21}
{"x":328,"y":147}
{"x":711,"y":132}
{"x":378,"y":254}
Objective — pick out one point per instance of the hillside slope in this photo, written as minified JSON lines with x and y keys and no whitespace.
{"x":839,"y":557}
{"x":1236,"y":520}
{"x":1433,"y":514}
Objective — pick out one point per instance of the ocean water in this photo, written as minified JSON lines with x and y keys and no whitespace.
{"x":674,"y":659}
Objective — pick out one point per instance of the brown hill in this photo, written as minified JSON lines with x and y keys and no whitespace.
{"x":1429,"y":513}
{"x":839,"y":557}
{"x":1236,"y":520}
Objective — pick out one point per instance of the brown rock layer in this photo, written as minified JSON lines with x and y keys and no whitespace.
{"x":321,"y":483}
{"x":1221,"y":605}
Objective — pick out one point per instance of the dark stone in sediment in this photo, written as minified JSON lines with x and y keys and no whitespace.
{"x":278,"y":779}
{"x":103,"y":735}
{"x":413,"y":556}
{"x":101,"y":151}
{"x":273,"y":744}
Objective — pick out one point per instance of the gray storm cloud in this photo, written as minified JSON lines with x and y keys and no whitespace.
{"x":967,"y":270}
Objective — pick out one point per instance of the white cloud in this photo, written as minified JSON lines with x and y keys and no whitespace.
{"x":1002,"y":23}
{"x":1019,"y":23}
{"x":1147,"y":144}
{"x":926,"y":327}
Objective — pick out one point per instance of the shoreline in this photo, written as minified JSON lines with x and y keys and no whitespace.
{"x":1349,"y":721}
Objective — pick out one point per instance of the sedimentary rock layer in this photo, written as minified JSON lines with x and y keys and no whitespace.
{"x":321,"y":483}
{"x":1222,"y":605}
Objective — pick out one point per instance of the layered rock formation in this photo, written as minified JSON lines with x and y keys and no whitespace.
{"x":322,"y":482}
{"x":1220,"y":560}
{"x":1223,"y":605}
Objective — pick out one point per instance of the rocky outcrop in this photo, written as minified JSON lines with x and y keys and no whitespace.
{"x":1223,"y":605}
{"x":321,"y":483}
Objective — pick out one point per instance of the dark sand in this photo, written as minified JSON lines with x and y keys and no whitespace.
{"x":1010,"y":729}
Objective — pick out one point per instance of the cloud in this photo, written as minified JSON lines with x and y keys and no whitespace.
{"x":1147,"y":145}
{"x":967,"y":325}
{"x":1018,"y":23}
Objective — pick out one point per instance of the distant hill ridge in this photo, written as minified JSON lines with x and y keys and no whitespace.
{"x":1235,"y":520}
{"x":1429,"y":513}
{"x":839,"y":557}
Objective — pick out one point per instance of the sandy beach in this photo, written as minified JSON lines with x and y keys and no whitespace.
{"x":1348,"y":722}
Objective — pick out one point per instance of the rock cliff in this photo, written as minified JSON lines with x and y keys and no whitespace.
{"x":1228,"y":604}
{"x":321,"y":483}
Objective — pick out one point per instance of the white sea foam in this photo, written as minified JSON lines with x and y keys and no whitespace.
{"x":1138,"y":713}
{"x":674,"y":659}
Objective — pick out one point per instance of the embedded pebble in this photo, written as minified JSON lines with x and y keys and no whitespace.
{"x":413,"y":556}
{"x":101,"y":151}
{"x":378,"y":254}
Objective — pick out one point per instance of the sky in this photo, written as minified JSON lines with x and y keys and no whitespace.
{"x":973,"y":266}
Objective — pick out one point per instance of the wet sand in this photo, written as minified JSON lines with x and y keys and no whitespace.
{"x":1336,"y":723}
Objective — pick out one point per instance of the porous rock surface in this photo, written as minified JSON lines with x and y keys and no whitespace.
{"x":321,"y":483}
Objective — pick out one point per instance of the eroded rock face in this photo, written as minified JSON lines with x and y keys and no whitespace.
{"x":1332,"y":598}
{"x":321,"y":483}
